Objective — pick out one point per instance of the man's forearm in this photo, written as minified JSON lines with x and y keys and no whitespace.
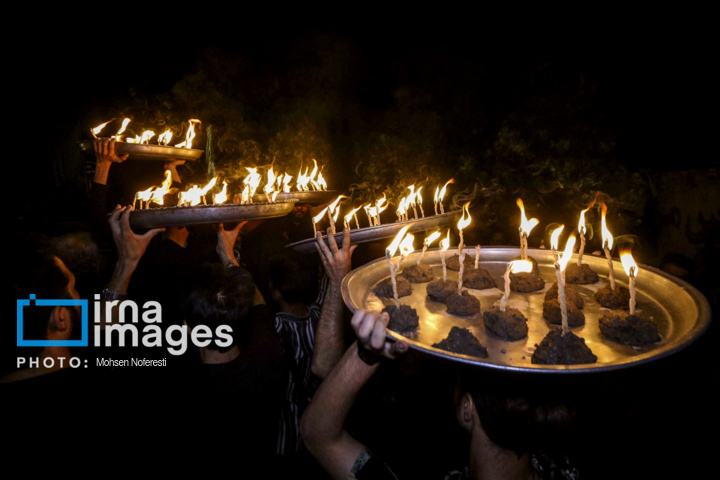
{"x":330,"y":334}
{"x":322,"y":425}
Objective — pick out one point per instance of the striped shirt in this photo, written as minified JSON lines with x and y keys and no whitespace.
{"x":297,"y":335}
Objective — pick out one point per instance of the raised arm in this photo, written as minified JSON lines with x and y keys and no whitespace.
{"x":105,"y":156}
{"x":330,"y":334}
{"x":322,"y":424}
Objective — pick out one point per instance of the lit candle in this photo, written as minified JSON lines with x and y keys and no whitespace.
{"x":441,"y":195}
{"x":581,"y":231}
{"x":631,"y":269}
{"x":406,"y":248}
{"x":516,"y":266}
{"x":332,"y":214}
{"x":462,"y":223}
{"x":554,"y":241}
{"x":389,"y":252}
{"x":427,"y":243}
{"x":349,"y":216}
{"x":525,"y":227}
{"x":560,"y":265}
{"x":607,"y":239}
{"x":477,"y":256}
{"x":418,"y":200}
{"x":444,"y":245}
{"x":317,"y":218}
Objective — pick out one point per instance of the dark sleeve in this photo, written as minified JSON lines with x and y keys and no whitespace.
{"x":98,"y":211}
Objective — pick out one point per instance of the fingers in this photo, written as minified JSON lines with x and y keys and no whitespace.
{"x":331,"y":241}
{"x":377,"y":335}
{"x":114,"y":217}
{"x":346,"y":239}
{"x":322,"y":247}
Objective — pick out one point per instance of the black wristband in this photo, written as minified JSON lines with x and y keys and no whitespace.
{"x":368,"y":357}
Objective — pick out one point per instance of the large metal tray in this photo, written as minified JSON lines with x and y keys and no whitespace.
{"x":680,"y":311}
{"x":204,"y":214}
{"x":148,"y":152}
{"x":389,"y":230}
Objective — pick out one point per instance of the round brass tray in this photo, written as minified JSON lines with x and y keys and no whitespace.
{"x":681,"y":313}
{"x":370,"y":234}
{"x":204,"y":214}
{"x":148,"y":152}
{"x":315,"y":197}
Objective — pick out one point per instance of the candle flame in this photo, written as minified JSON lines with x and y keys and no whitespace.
{"x":252,"y":181}
{"x":320,"y":215}
{"x":464,"y":222}
{"x":418,"y":197}
{"x":159,"y":193}
{"x":567,"y":254}
{"x":95,"y":131}
{"x":270,"y":186}
{"x":555,"y":237}
{"x":406,"y":246}
{"x":433,"y":236}
{"x":145,"y":194}
{"x":221,"y":197}
{"x":607,"y":237}
{"x":628,"y":262}
{"x":402,"y":209}
{"x":520,"y":266}
{"x":445,"y":242}
{"x":286,"y":183}
{"x":525,"y":225}
{"x":146,"y":136}
{"x":442,"y":191}
{"x":124,"y":125}
{"x":581,"y":222}
{"x":334,"y":204}
{"x":392,"y":248}
{"x":322,"y":185}
{"x":164,"y":138}
{"x":349,"y":216}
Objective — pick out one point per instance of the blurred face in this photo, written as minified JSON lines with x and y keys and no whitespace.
{"x":301,"y":211}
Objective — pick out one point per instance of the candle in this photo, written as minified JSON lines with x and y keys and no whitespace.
{"x":462,"y":223}
{"x":418,"y":200}
{"x":525,"y":227}
{"x":426,"y":244}
{"x":554,"y":241}
{"x":410,"y":200}
{"x":607,"y":239}
{"x":631,"y":269}
{"x":406,"y":248}
{"x":332,"y":214}
{"x":441,"y":195}
{"x":317,"y":218}
{"x":516,"y":266}
{"x":389,"y":252}
{"x":477,"y":256}
{"x":444,"y":245}
{"x":581,"y":231}
{"x":349,"y":216}
{"x":560,"y":265}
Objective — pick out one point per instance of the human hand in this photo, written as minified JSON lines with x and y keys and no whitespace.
{"x":130,"y":246}
{"x":371,"y":328}
{"x":337,"y":262}
{"x":105,"y":151}
{"x":226,"y":243}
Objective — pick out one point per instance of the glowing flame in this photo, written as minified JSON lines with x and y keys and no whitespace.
{"x":406,"y":246}
{"x":286,"y":183}
{"x":334,"y":204}
{"x":245,"y":195}
{"x":165,"y":137}
{"x":628,"y":262}
{"x":221,"y":197}
{"x":146,"y":136}
{"x":581,"y":222}
{"x":433,"y":236}
{"x":402,"y":209}
{"x":607,"y":237}
{"x":410,"y":199}
{"x":445,"y":242}
{"x":124,"y":125}
{"x":190,"y":135}
{"x":392,"y":248}
{"x":95,"y":131}
{"x":567,"y":254}
{"x":555,"y":237}
{"x":320,"y":215}
{"x":321,"y":182}
{"x":520,"y":266}
{"x":525,"y":225}
{"x":210,"y":185}
{"x":159,"y":193}
{"x":133,"y":140}
{"x":145,"y":194}
{"x":441,"y":195}
{"x":302,"y":180}
{"x":270,"y":186}
{"x":464,"y":222}
{"x":191,"y":197}
{"x":252,"y":181}
{"x":350,"y":215}
{"x":418,"y":197}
